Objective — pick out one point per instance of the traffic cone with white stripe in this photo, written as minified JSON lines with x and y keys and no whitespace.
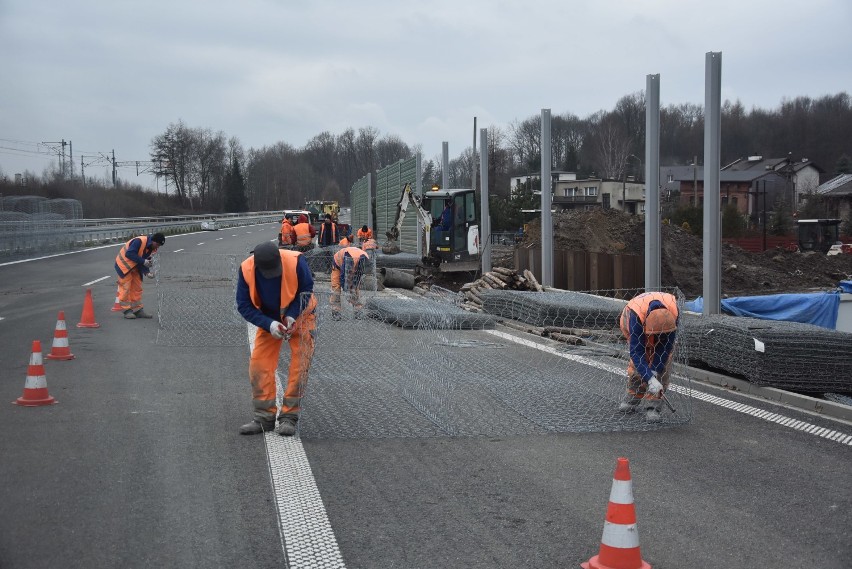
{"x":116,"y":306}
{"x":35,"y":388}
{"x":620,"y":541}
{"x":60,"y":349}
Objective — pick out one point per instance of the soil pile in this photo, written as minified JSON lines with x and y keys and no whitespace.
{"x":743,"y":273}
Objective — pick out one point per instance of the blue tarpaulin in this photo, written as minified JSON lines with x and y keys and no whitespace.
{"x":846,"y":286}
{"x":817,"y":308}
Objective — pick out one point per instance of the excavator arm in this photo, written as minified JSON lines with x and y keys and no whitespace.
{"x":407,"y":198}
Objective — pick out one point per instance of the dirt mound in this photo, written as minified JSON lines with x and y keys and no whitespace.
{"x":743,"y":273}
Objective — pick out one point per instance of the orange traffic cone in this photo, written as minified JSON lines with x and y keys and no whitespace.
{"x":116,"y":307}
{"x":60,"y":350}
{"x":35,"y":388}
{"x":87,"y":320}
{"x":620,"y":541}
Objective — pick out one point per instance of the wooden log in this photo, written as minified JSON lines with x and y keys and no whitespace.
{"x":524,"y":327}
{"x":493,"y":281}
{"x":568,"y":339}
{"x":504,"y":271}
{"x":505,"y":279}
{"x":533,"y":281}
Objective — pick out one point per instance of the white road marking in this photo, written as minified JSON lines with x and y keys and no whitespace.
{"x":202,"y":243}
{"x":95,"y":281}
{"x":219,"y":238}
{"x":306,"y":533}
{"x":782,"y":420}
{"x":177,"y":250}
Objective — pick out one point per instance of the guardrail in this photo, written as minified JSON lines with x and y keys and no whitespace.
{"x":23,"y":238}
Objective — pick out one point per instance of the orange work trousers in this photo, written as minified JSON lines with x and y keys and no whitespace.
{"x":264,"y":362}
{"x":352,"y":293}
{"x":130,"y":291}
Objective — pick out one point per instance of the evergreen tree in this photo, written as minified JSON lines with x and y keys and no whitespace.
{"x":235,"y":189}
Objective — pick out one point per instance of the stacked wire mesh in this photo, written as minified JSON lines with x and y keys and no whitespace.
{"x":786,"y":355}
{"x":196,"y":299}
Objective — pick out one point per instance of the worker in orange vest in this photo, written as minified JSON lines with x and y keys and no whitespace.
{"x":348,"y":266}
{"x":132,"y":263}
{"x":305,"y":233}
{"x":328,"y":232}
{"x":369,"y":246}
{"x":649,"y":324}
{"x":287,"y":237}
{"x":275,"y":293}
{"x":363,"y":234}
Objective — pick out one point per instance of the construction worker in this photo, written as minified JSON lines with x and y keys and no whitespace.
{"x":345,"y":242}
{"x":287,"y":237}
{"x":649,"y":323}
{"x":328,"y":232}
{"x":275,"y":293}
{"x":347,"y":267}
{"x":305,"y":233}
{"x":132,"y":263}
{"x":363,"y":234}
{"x":369,"y":246}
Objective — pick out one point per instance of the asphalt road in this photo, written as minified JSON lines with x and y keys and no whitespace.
{"x":140,"y":465}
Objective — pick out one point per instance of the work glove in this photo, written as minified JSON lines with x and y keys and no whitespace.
{"x":654,"y":385}
{"x":277,"y":330}
{"x":149,"y":262}
{"x":289,"y":327}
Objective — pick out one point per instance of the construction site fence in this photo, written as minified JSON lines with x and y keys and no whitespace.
{"x":582,"y":270}
{"x":37,"y":235}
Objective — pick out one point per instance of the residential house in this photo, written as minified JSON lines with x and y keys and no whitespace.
{"x":801,"y":177}
{"x":838,"y":194}
{"x":569,"y":192}
{"x":751,"y":191}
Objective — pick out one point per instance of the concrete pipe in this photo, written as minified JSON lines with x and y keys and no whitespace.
{"x":396,"y":278}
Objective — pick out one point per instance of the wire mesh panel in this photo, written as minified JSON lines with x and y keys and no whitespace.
{"x":196,"y":300}
{"x":416,"y":367}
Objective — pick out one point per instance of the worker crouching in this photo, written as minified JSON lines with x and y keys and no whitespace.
{"x":275,"y":293}
{"x":649,"y":323}
{"x":348,"y":266}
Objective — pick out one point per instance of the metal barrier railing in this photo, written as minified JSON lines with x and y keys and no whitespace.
{"x":21,"y":238}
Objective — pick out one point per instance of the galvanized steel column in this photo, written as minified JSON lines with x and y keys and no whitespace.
{"x":418,"y":189}
{"x":546,"y":202}
{"x":712,"y":199}
{"x":445,"y":165}
{"x":370,"y":201}
{"x":652,"y":182}
{"x":485,"y":217}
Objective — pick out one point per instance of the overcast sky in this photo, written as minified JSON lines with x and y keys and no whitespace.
{"x":112,"y":75}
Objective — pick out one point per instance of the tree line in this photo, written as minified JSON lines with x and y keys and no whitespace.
{"x":212,"y":172}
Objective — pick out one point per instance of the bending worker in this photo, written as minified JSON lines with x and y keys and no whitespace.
{"x":275,"y":293}
{"x":347,"y":267}
{"x":649,"y":323}
{"x":133,"y":263}
{"x":363,"y":234}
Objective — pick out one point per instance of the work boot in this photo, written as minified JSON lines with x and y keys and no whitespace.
{"x":652,"y":411}
{"x":286,"y":426}
{"x":335,"y":315}
{"x":628,"y":404}
{"x":129,"y":314}
{"x":257,"y":427}
{"x":142,"y":314}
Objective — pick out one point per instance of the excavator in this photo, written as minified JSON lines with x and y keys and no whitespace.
{"x":450,"y":229}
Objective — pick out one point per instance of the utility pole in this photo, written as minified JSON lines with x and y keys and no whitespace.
{"x":113,"y":167}
{"x":695,"y":181}
{"x":82,"y":171}
{"x":71,"y":158}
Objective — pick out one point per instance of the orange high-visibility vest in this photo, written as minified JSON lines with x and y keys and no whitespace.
{"x":639,"y":305}
{"x":288,"y":233}
{"x":289,"y":280}
{"x":369,"y":244}
{"x":303,"y":234}
{"x":344,"y":242}
{"x":121,"y":259}
{"x":364,"y":235}
{"x":354,"y":252}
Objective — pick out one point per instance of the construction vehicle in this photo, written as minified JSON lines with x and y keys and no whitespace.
{"x":319,"y":208}
{"x":451,"y":247}
{"x":818,"y":234}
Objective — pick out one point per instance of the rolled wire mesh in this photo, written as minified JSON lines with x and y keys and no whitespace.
{"x":786,"y":355}
{"x":412,"y":368}
{"x":196,"y":299}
